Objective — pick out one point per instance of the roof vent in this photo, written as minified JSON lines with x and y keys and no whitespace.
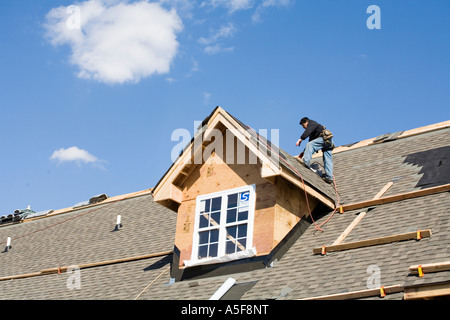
{"x":8,"y":244}
{"x":118,"y":223}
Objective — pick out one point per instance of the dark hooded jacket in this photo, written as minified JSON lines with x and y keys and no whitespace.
{"x":313,"y":130}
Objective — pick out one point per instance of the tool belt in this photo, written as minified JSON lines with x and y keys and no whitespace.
{"x":327,"y":135}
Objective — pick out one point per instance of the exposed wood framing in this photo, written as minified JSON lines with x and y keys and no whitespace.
{"x":373,"y":241}
{"x":219,"y":119}
{"x":397,"y":197}
{"x":359,"y":294}
{"x":428,"y":291}
{"x":430,"y":267}
{"x":360,"y":216}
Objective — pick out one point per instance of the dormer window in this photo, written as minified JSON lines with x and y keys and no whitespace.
{"x":236,"y":203}
{"x":223,"y":223}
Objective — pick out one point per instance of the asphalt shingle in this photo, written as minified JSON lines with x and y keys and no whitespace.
{"x":86,"y":236}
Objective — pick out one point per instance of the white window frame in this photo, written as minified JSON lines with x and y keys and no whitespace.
{"x":223,"y":224}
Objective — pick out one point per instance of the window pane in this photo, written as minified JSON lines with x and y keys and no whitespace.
{"x":243,"y":214}
{"x":232,"y":200}
{"x":203,"y":237}
{"x":230,"y":247}
{"x":214,"y":236}
{"x":202,"y":251}
{"x":242,"y":231}
{"x":213,"y":250}
{"x":207,"y":205}
{"x":242,"y":244}
{"x":231,"y":215}
{"x":215,"y":218}
{"x":216,"y":204}
{"x":232,"y":231}
{"x":203,"y":220}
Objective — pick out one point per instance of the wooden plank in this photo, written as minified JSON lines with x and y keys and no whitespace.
{"x":397,"y":197}
{"x":428,"y":291}
{"x":86,"y":265}
{"x":373,"y":241}
{"x":176,"y":194}
{"x":359,"y":294}
{"x":383,"y":190}
{"x":346,"y":232}
{"x":430,"y":267}
{"x":360,"y":216}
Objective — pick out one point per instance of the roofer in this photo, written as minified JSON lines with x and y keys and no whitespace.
{"x":319,"y":139}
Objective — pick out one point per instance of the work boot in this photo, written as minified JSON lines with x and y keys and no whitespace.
{"x":327,"y":180}
{"x":302,"y":162}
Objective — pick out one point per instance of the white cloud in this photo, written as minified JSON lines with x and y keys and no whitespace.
{"x":223,"y":32}
{"x":194,"y":68}
{"x":206,"y":97}
{"x":266,"y":4}
{"x":74,"y":154}
{"x":211,"y":43}
{"x":184,"y":8}
{"x":231,"y":5}
{"x":117,"y":41}
{"x":216,"y":49}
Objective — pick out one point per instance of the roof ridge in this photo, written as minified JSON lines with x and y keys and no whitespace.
{"x":390,"y":137}
{"x":92,"y":206}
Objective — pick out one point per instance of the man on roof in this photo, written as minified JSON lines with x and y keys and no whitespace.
{"x":319,"y":139}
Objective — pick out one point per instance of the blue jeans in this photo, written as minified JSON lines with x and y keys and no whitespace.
{"x":314,"y":146}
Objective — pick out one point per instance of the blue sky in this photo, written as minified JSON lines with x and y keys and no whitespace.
{"x":91,"y":110}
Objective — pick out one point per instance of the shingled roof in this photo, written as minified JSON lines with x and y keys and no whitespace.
{"x":135,"y":261}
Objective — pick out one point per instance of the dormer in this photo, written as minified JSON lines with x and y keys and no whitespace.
{"x":238,"y":198}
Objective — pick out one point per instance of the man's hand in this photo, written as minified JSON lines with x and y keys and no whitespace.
{"x":298,"y":142}
{"x":301,"y":155}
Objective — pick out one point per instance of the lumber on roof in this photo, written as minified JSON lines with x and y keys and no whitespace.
{"x":360,"y":216}
{"x":359,"y":294}
{"x":397,"y":197}
{"x":430,"y":267}
{"x":373,"y":242}
{"x":428,"y":291}
{"x":86,"y":265}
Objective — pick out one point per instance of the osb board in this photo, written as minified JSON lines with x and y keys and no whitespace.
{"x":213,"y":176}
{"x":291,"y":206}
